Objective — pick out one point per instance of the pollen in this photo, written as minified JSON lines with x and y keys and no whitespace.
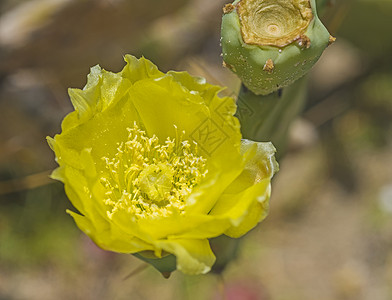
{"x":147,"y":178}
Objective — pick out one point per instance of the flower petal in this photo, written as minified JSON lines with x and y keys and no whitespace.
{"x":162,"y":103}
{"x":102,"y":90}
{"x":254,"y":211}
{"x":193,"y":256}
{"x":109,"y":240}
{"x":139,"y":69}
{"x":245,"y":201}
{"x":185,"y":226}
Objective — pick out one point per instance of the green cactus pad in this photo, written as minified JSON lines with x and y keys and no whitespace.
{"x":270,"y":44}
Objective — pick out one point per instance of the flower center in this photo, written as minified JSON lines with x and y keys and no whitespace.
{"x":149,"y":179}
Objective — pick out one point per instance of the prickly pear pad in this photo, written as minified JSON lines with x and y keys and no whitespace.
{"x":271,"y":44}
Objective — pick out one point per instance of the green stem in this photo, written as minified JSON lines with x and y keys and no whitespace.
{"x":268,"y":118}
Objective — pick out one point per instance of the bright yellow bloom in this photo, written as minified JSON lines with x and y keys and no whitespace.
{"x":155,"y":165}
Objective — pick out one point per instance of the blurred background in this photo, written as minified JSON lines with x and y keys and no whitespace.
{"x":329,"y":232}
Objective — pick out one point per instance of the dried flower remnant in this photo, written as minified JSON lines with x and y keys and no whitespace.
{"x":271,"y":22}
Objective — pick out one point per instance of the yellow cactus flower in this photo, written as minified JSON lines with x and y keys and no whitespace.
{"x":155,"y":165}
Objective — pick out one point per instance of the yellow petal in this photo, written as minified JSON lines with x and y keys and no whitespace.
{"x":193,"y":256}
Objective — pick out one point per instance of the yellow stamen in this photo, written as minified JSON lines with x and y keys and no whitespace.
{"x":148,"y":179}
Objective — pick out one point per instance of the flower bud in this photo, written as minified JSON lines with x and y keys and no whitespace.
{"x":270,"y":44}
